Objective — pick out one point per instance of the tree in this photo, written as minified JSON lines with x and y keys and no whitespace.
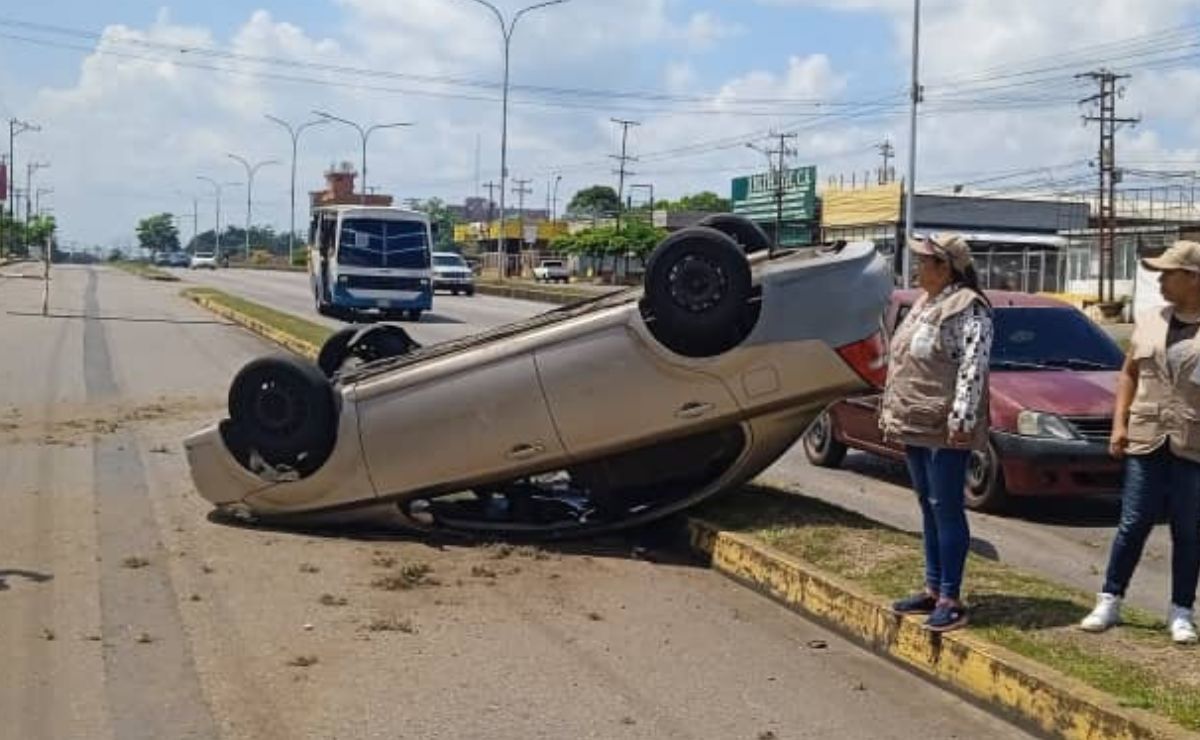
{"x":443,"y":221}
{"x":158,"y":233}
{"x":594,"y":201}
{"x":40,"y":229}
{"x":703,"y":201}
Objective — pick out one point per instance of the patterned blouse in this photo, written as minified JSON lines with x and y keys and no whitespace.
{"x":968,"y":336}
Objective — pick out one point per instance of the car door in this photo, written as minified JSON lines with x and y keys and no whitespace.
{"x":461,"y":419}
{"x":608,"y":390}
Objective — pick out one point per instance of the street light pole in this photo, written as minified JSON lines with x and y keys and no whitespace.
{"x":554,"y":209}
{"x":251,"y":171}
{"x":294,"y":133}
{"x":364,"y":134}
{"x":217,"y":230}
{"x":30,"y":168}
{"x":506,"y":30}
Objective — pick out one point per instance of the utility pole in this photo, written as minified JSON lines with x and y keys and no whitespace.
{"x":491,"y":188}
{"x":622,"y":158}
{"x":1107,"y":169}
{"x":915,"y":99}
{"x":30,"y":168}
{"x":522,"y":189}
{"x":15,"y":128}
{"x":888,"y":152}
{"x":776,"y":161}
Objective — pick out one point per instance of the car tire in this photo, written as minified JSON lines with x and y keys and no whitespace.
{"x":368,"y":344}
{"x":742,"y":230}
{"x":821,"y":445}
{"x":697,"y":289}
{"x":470,"y":292}
{"x":284,"y":408}
{"x":985,"y":490}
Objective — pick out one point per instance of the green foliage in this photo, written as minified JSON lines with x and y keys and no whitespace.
{"x":596,"y":200}
{"x":158,"y":233}
{"x":703,"y":201}
{"x":443,"y":221}
{"x":635,"y":238}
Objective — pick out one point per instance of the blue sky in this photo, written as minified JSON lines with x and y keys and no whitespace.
{"x":129,"y":136}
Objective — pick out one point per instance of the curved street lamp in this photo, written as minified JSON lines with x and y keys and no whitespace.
{"x":294,"y":132}
{"x":217,"y":190}
{"x":364,"y":134}
{"x":506,"y":31}
{"x":251,"y":171}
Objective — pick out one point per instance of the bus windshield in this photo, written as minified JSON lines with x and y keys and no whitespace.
{"x":369,"y":242}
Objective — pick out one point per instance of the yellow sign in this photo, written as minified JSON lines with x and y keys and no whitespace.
{"x":877,"y":205}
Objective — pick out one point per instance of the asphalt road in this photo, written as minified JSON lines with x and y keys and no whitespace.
{"x":126,"y":613}
{"x":452,"y":316}
{"x":1067,"y":541}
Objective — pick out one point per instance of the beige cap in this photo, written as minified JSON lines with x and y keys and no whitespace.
{"x":1182,"y":255}
{"x":949,"y":247}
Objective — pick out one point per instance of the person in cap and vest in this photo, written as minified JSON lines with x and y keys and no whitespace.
{"x":935,"y":403}
{"x":1156,"y":429}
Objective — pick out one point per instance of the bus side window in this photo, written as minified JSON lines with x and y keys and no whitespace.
{"x":312,"y":229}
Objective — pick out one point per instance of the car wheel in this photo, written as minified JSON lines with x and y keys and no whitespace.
{"x":697,"y":288}
{"x":284,"y":408}
{"x":373,"y":343}
{"x":985,"y":489}
{"x":821,"y":446}
{"x":470,"y":292}
{"x":742,"y":230}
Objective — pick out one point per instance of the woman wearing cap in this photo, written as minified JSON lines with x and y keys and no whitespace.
{"x":1156,"y":429}
{"x":935,"y":403}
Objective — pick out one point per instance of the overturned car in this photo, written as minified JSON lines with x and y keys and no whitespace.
{"x":589,"y":418}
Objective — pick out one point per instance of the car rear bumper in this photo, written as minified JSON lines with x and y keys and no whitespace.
{"x":1034,"y":466}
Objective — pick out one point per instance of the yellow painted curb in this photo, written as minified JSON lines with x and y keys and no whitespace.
{"x":1030,"y":693}
{"x":270,"y":333}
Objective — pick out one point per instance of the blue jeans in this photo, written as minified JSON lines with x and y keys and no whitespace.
{"x":1155,"y":484}
{"x":939,"y":477}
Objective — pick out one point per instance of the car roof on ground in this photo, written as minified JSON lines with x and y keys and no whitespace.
{"x":999,"y":298}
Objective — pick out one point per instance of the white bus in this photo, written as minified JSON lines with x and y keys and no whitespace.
{"x":370,"y":259}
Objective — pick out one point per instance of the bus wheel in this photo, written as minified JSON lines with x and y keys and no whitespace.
{"x":414,"y":314}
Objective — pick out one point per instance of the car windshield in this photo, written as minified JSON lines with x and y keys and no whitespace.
{"x":367,"y":242}
{"x":1050,"y":339}
{"x":448,"y":260}
{"x":552,"y":264}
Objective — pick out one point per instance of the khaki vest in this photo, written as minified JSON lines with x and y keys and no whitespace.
{"x":1164,"y":409}
{"x":915,"y":409}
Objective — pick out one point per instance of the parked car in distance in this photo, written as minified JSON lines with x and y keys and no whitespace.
{"x":203,"y":261}
{"x":179,"y":259}
{"x":451,"y":272}
{"x":719,"y":362}
{"x":1053,"y":384}
{"x":552,"y":271}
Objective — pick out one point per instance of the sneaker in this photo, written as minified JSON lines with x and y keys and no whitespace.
{"x":947,"y":617}
{"x":1106,"y":614}
{"x":921,"y":603}
{"x":1181,"y":626}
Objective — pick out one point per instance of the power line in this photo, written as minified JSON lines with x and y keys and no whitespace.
{"x":623,"y":158}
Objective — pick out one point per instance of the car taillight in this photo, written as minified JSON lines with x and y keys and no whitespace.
{"x":868,"y":358}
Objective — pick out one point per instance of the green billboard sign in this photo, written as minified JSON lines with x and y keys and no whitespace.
{"x":755,"y":197}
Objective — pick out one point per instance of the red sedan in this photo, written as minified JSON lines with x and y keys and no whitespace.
{"x":1053,"y":382}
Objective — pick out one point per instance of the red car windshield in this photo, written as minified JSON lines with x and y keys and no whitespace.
{"x":1051,"y":339}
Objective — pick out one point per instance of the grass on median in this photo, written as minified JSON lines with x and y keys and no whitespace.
{"x":1135,"y":663}
{"x":141,"y":269}
{"x":295,"y":326}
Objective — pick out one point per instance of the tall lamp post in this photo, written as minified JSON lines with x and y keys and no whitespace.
{"x":507,"y":31}
{"x":294,"y":132}
{"x":251,"y":171}
{"x":554,"y":203}
{"x":217,"y":229}
{"x":364,"y":134}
